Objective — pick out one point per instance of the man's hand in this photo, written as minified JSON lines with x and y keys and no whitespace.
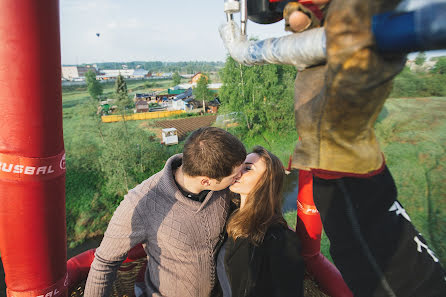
{"x":298,"y":21}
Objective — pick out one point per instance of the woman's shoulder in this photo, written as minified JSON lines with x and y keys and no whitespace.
{"x":282,"y":242}
{"x":279,"y":231}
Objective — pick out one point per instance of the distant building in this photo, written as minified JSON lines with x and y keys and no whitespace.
{"x":162,"y":75}
{"x":426,"y":66}
{"x":75,"y":73}
{"x":183,"y":101}
{"x":126,"y":73}
{"x":113,"y":73}
{"x":140,"y":74}
{"x":175,"y":91}
{"x":197,"y":77}
{"x":214,"y":105}
{"x":178,"y":89}
{"x":164,"y":96}
{"x":69,"y":72}
{"x":178,"y":104}
{"x":185,"y":95}
{"x":214,"y":86}
{"x":144,"y":96}
{"x":166,"y":104}
{"x":142,"y":106}
{"x":194,"y":104}
{"x":83,"y":70}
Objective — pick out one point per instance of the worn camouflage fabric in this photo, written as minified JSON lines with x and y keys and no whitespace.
{"x":336,"y":105}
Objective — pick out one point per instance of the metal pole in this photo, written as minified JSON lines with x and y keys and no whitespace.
{"x":243,"y":16}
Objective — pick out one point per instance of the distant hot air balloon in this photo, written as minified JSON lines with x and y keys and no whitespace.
{"x":98,"y":34}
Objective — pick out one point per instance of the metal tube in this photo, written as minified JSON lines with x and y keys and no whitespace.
{"x":300,"y":49}
{"x":231,"y":7}
{"x":243,"y":16}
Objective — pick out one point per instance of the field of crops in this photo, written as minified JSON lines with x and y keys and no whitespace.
{"x":186,"y":125}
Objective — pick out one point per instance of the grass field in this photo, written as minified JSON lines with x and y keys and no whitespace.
{"x":88,"y":201}
{"x":412,"y":133}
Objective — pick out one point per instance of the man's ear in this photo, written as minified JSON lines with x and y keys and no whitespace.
{"x":205,"y":181}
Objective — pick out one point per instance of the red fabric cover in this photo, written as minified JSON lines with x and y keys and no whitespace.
{"x":313,"y":7}
{"x":78,"y":268}
{"x":32,"y":211}
{"x":309,"y":229}
{"x":325,"y":174}
{"x":308,"y":4}
{"x":136,"y":253}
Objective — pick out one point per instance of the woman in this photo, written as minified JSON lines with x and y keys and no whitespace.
{"x":261,"y":255}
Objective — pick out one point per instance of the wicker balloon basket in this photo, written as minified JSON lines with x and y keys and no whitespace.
{"x":124,"y":283}
{"x":127,"y":274}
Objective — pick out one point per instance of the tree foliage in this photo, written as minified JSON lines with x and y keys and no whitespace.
{"x":128,"y":157}
{"x":201,"y":91}
{"x":440,"y":66}
{"x":121,"y":92}
{"x":93,"y":86}
{"x":413,"y":84}
{"x":420,"y":59}
{"x":263,"y":95}
{"x":101,"y":172}
{"x":176,"y":78}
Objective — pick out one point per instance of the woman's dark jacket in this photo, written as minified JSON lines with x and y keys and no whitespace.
{"x":274,"y":268}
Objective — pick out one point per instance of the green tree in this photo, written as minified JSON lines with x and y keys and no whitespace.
{"x":176,"y":78}
{"x":130,"y":156}
{"x":412,"y":84}
{"x":148,"y":84}
{"x":420,"y":59}
{"x":93,"y":86}
{"x":440,"y":66}
{"x":121,"y":92}
{"x":263,"y":94}
{"x":201,"y":91}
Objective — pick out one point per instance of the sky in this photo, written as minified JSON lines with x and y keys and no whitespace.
{"x":149,"y":30}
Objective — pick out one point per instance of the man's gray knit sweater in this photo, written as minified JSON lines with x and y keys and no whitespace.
{"x":178,"y":234}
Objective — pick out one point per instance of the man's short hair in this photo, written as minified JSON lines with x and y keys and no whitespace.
{"x":212,"y":152}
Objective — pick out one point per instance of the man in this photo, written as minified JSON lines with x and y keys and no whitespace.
{"x":178,"y":215}
{"x":373,"y":242}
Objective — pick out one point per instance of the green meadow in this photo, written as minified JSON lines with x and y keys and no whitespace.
{"x":105,"y":160}
{"x":412,"y":133}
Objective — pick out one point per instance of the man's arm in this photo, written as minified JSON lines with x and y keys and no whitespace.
{"x":124,"y":231}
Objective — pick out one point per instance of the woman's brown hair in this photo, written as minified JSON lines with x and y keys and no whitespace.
{"x":263,"y":206}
